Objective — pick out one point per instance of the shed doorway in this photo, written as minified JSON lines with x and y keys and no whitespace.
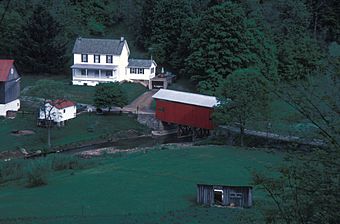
{"x":218,"y":197}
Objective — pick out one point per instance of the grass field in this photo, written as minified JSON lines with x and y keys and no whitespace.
{"x":81,"y":94}
{"x":154,"y":187}
{"x":85,"y":127}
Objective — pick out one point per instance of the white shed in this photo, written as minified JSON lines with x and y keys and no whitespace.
{"x":58,"y":111}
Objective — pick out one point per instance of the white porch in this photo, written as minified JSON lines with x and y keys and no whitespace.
{"x":93,"y":74}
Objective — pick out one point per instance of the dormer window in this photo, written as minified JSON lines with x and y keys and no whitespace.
{"x":109,"y":59}
{"x":152,"y":70}
{"x":96,"y":58}
{"x":84,"y":58}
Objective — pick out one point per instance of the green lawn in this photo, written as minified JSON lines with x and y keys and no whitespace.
{"x":81,"y":94}
{"x":75,"y":131}
{"x":154,"y":187}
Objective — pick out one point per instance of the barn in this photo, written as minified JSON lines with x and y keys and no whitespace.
{"x":191,"y":112}
{"x":9,"y":87}
{"x":222,"y":195}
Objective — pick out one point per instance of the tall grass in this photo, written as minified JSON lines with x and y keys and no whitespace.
{"x":36,"y":171}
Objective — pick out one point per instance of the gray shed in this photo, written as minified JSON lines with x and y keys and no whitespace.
{"x":234,"y":196}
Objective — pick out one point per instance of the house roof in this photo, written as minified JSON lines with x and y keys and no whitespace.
{"x":140,"y":63}
{"x":185,"y":97}
{"x":94,"y":66}
{"x":98,"y":46}
{"x":61,"y":104}
{"x":5,"y":66}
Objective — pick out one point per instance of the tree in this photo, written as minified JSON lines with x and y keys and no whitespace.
{"x":243,"y":96}
{"x":40,"y":50}
{"x":298,"y":58}
{"x":167,"y":28}
{"x":306,"y":188}
{"x":224,"y":41}
{"x":325,"y":19}
{"x":109,"y":94}
{"x":48,"y":90}
{"x":298,"y":53}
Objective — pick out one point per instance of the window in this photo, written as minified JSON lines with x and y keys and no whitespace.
{"x":96,"y":58}
{"x":64,"y":110}
{"x":12,"y":71}
{"x":152,"y":70}
{"x":108,"y":74}
{"x":141,"y":71}
{"x":133,"y":70}
{"x":84,"y":58}
{"x":83,"y":72}
{"x":108,"y":58}
{"x":136,"y":70}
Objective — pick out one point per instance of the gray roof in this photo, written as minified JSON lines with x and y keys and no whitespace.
{"x":187,"y":98}
{"x":140,"y":63}
{"x":94,"y":66}
{"x":98,"y":46}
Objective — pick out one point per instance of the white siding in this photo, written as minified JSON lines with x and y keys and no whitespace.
{"x":123,"y":63}
{"x":11,"y":106}
{"x":146,"y":76}
{"x":122,"y":72}
{"x":58,"y":115}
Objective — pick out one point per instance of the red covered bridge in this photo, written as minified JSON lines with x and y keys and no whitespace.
{"x":191,"y":112}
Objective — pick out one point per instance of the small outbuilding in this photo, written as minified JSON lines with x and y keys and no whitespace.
{"x":57,"y":111}
{"x":233,"y":196}
{"x":9,"y":88}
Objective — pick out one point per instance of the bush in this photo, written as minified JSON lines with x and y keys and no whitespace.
{"x":65,"y":162}
{"x":11,"y":170}
{"x":37,"y":173}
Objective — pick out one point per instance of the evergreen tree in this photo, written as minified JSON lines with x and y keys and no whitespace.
{"x":39,"y":49}
{"x":146,"y":22}
{"x":167,"y":28}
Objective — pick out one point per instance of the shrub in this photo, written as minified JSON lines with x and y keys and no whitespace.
{"x":37,"y":173}
{"x":65,"y":162}
{"x":11,"y":170}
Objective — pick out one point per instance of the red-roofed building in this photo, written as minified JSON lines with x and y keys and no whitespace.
{"x":58,"y":111}
{"x":9,"y":87}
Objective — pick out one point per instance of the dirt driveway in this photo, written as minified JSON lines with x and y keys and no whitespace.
{"x":143,"y":103}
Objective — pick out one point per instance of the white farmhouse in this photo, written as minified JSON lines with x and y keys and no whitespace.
{"x":58,"y":111}
{"x":107,"y":60}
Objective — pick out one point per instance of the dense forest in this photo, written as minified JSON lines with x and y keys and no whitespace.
{"x":244,"y":50}
{"x":204,"y":40}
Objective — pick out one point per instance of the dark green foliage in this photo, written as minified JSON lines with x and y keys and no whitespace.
{"x":65,"y":162}
{"x":167,"y":27}
{"x":40,"y":49}
{"x":298,"y":58}
{"x":225,"y":40}
{"x":325,"y":17}
{"x":243,"y":97}
{"x":148,"y":16}
{"x":11,"y":170}
{"x":305,"y":189}
{"x":109,"y":94}
{"x":37,"y":173}
{"x":298,"y":53}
